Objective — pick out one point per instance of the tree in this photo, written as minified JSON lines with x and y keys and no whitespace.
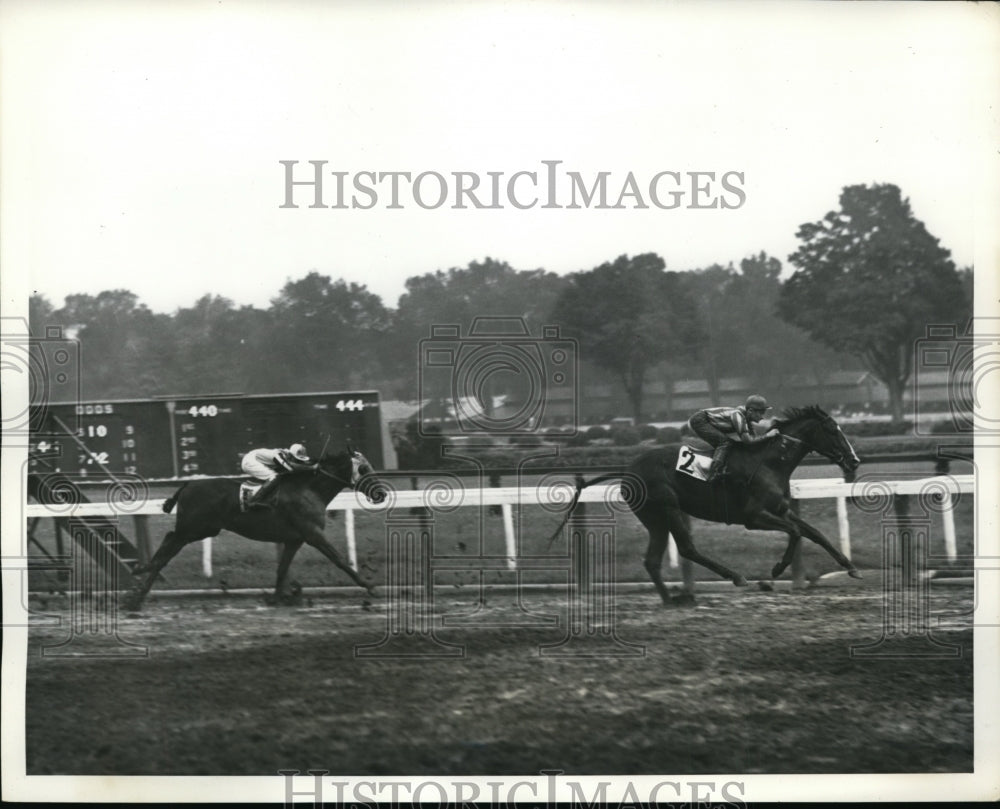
{"x":489,"y":288}
{"x":629,"y":316}
{"x":870,"y":280}
{"x":709,"y":287}
{"x":122,"y":343}
{"x":218,"y":348}
{"x":40,"y":315}
{"x":324,"y":336}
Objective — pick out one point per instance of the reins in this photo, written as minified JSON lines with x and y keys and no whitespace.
{"x":760,"y":461}
{"x":321,"y":471}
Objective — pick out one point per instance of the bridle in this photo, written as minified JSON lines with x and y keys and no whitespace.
{"x":839,"y":457}
{"x":348,"y":484}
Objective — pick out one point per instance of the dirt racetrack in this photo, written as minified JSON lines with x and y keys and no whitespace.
{"x":744,"y":682}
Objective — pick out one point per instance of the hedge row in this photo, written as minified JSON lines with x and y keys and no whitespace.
{"x":628,"y":436}
{"x":609,"y":454}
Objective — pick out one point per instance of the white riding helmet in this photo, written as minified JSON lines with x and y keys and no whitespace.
{"x":298,"y":452}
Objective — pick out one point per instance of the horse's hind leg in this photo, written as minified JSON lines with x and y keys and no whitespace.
{"x":685,"y":547}
{"x":653,"y":561}
{"x":171,"y":545}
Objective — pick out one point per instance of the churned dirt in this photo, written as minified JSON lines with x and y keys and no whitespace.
{"x":744,"y":682}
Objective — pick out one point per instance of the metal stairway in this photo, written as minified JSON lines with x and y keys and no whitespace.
{"x":100,"y":537}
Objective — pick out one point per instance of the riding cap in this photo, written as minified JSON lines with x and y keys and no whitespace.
{"x":298,"y":451}
{"x":755,"y":402}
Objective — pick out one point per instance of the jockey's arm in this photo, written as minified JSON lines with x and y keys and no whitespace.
{"x":286,"y":462}
{"x":744,"y":432}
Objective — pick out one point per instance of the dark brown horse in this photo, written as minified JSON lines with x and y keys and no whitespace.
{"x":206,"y":507}
{"x":755,"y":493}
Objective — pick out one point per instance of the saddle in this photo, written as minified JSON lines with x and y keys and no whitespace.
{"x":248,"y":488}
{"x":696,"y":463}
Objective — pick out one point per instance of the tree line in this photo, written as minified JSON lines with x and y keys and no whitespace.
{"x":868,"y":279}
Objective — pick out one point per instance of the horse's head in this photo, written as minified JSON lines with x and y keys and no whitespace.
{"x":820,"y":433}
{"x":354,"y":470}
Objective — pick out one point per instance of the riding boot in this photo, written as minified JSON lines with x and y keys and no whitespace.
{"x":717,"y":471}
{"x":258,"y":499}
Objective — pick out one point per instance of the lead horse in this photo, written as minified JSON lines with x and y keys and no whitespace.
{"x":755,"y":493}
{"x":206,"y":507}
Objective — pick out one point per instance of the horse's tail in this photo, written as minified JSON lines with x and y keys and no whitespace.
{"x":580,"y":486}
{"x":170,"y":502}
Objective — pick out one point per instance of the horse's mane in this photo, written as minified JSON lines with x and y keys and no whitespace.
{"x":791,"y":414}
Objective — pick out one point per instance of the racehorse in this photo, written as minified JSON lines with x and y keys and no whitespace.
{"x":755,"y":493}
{"x":205,"y":507}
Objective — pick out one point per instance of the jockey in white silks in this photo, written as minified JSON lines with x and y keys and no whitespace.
{"x":266,"y":465}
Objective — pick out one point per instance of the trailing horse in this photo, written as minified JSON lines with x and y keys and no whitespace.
{"x":661,"y":491}
{"x":206,"y":507}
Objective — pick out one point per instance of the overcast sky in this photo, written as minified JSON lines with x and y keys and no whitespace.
{"x":141,"y":142}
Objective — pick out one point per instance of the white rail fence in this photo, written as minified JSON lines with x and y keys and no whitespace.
{"x":938,"y":490}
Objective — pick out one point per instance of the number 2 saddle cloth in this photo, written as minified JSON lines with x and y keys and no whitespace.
{"x":694,"y":462}
{"x":248,"y":488}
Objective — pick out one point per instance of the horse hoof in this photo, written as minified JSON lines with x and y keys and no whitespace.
{"x":854,"y":573}
{"x":739,"y":581}
{"x":682,"y":600}
{"x":776,"y":571}
{"x":766,"y":586}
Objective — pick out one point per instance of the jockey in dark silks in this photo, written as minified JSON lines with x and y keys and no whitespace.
{"x":722,"y":426}
{"x":267,"y":464}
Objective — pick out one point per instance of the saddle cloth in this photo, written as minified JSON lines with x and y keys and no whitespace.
{"x":248,"y":488}
{"x":693,"y":462}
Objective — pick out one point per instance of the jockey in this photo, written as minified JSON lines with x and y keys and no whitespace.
{"x":722,"y":426}
{"x":267,"y":464}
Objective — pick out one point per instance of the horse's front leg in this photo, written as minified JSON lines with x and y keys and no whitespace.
{"x":317,"y":540}
{"x":288,"y":551}
{"x":816,"y":536}
{"x":764,"y":520}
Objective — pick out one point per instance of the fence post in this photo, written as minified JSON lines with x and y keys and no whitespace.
{"x":942,"y":466}
{"x":901,"y":505}
{"x":508,"y":535}
{"x":948,"y":518}
{"x":495,"y":510}
{"x":844,"y":527}
{"x":352,"y":546}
